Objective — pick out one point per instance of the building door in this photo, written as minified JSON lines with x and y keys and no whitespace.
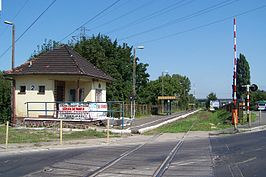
{"x":59,"y":91}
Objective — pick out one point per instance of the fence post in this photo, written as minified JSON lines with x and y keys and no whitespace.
{"x":45,"y":109}
{"x":260,"y":117}
{"x":7,"y":126}
{"x":61,"y":131}
{"x":108,"y":123}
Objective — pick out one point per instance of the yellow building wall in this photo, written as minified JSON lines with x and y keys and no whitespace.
{"x":89,"y":89}
{"x":33,"y":82}
{"x":85,"y":86}
{"x":101,"y":86}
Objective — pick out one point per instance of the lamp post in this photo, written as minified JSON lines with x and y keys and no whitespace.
{"x":13,"y":66}
{"x":133,"y":112}
{"x":164,"y":72}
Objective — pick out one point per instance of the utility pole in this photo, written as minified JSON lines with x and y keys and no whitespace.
{"x":134,"y":84}
{"x":164,"y":72}
{"x":133,"y":112}
{"x":13,"y":102}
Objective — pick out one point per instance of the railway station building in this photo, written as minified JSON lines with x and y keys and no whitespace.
{"x":57,"y":76}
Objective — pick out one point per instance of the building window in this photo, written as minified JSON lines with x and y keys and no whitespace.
{"x":41,"y":89}
{"x":32,"y":87}
{"x":98,"y":95}
{"x":22,"y":89}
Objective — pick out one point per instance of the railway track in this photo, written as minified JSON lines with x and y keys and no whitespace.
{"x":161,"y":155}
{"x":131,"y":157}
{"x":143,"y":126}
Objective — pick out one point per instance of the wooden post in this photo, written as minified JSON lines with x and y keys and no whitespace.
{"x":7,"y":126}
{"x":61,"y":131}
{"x":107,"y":138}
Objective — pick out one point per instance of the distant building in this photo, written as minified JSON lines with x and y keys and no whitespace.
{"x":214,"y":105}
{"x":59,"y":75}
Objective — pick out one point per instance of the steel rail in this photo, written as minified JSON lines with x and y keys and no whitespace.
{"x":166,"y":163}
{"x":123,"y":155}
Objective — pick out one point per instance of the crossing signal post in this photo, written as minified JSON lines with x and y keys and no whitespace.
{"x":249,"y":88}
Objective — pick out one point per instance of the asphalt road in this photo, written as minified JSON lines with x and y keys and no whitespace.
{"x":83,"y":162}
{"x":200,"y":155}
{"x":140,"y":159}
{"x":232,"y":155}
{"x":25,"y":163}
{"x":241,"y":155}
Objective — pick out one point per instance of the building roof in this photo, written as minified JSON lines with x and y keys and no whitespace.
{"x":60,"y":61}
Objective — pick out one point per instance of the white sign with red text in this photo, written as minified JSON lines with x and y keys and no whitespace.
{"x":82,"y":111}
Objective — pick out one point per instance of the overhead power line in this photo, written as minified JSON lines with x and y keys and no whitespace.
{"x":152,"y":15}
{"x":91,"y":19}
{"x":184,"y":18}
{"x":35,"y":21}
{"x":50,"y":5}
{"x":124,"y":15}
{"x":19,"y":11}
{"x":205,"y":25}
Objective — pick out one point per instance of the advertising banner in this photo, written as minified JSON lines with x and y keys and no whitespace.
{"x":82,"y":111}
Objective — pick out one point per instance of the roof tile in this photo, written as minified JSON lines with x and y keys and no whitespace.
{"x":62,"y":60}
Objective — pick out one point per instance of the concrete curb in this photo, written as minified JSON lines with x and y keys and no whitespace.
{"x":119,"y":131}
{"x":143,"y":130}
{"x":262,"y":127}
{"x":239,"y":130}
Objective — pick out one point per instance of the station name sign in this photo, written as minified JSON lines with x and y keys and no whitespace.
{"x":167,"y":97}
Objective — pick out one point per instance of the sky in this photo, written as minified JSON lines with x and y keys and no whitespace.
{"x":193,"y":38}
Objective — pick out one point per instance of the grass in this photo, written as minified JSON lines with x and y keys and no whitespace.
{"x":46,"y":135}
{"x":244,"y":120}
{"x":201,"y":121}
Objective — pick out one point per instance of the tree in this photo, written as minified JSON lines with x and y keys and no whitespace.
{"x":46,"y":46}
{"x":175,"y":85}
{"x":211,"y":97}
{"x":5,"y":99}
{"x":242,"y":76}
{"x":117,"y":61}
{"x":257,"y":96}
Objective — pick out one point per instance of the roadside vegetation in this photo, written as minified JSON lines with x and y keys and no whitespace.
{"x":201,"y":121}
{"x":46,"y":135}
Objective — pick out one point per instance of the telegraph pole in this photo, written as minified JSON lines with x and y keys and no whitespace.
{"x":133,"y":112}
{"x":13,"y":99}
{"x":134,"y":84}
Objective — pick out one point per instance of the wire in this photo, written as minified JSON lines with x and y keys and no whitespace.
{"x":35,"y":21}
{"x":206,"y":25}
{"x":91,"y":19}
{"x":152,"y":15}
{"x":19,"y":11}
{"x":125,"y":2}
{"x":28,"y":28}
{"x":184,"y":18}
{"x":124,"y":15}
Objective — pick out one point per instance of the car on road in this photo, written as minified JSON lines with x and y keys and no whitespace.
{"x":261,"y":105}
